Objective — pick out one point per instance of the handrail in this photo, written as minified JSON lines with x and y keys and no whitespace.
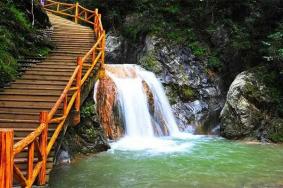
{"x":37,"y":140}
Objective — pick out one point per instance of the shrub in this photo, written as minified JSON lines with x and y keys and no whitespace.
{"x":88,"y":110}
{"x":214,"y":63}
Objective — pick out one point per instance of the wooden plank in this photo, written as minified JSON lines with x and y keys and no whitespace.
{"x":43,"y":148}
{"x":30,"y":162}
{"x":7,"y":157}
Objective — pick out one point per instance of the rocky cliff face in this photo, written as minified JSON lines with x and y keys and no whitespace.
{"x":248,"y":111}
{"x":87,"y":137}
{"x":193,"y":91}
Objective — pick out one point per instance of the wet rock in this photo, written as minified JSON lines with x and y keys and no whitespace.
{"x":119,"y":50}
{"x":63,"y":157}
{"x":113,"y":49}
{"x":185,"y":80}
{"x":108,"y":109}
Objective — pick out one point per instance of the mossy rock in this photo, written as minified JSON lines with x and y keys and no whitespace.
{"x":149,"y":62}
{"x":187,"y":93}
{"x":275,"y":132}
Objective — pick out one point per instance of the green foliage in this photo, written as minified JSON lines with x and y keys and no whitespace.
{"x":20,"y":18}
{"x":276,"y":132}
{"x":273,"y":47}
{"x":88,"y":110}
{"x":18,"y":39}
{"x":8,"y":67}
{"x":187,"y":93}
{"x":42,"y":52}
{"x":150,"y":63}
{"x":214,"y":63}
{"x":274,"y":90}
{"x":197,"y":49}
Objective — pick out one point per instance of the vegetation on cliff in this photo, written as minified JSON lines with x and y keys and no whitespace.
{"x":229,"y":36}
{"x":19,"y":38}
{"x":227,"y":32}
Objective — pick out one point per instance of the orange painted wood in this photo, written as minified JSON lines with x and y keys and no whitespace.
{"x":77,"y":12}
{"x":43,"y":145}
{"x":103,"y":48}
{"x":7,"y":157}
{"x":19,"y":146}
{"x":78,"y":84}
{"x":65,"y":105}
{"x":30,"y":161}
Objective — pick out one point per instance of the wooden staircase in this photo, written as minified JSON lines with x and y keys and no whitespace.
{"x":40,"y":86}
{"x":52,"y":86}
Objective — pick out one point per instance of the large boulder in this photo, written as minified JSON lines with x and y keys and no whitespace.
{"x":248,"y":111}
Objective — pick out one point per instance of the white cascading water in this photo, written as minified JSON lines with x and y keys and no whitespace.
{"x":161,"y":102}
{"x":135,"y":109}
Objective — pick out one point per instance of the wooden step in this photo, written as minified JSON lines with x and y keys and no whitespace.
{"x":44,"y":77}
{"x":26,"y":104}
{"x":40,"y":86}
{"x":31,"y":91}
{"x":23,"y":116}
{"x":48,"y":73}
{"x":37,"y":82}
{"x":23,"y":127}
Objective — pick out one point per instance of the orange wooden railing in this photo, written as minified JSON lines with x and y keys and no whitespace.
{"x":36,"y":143}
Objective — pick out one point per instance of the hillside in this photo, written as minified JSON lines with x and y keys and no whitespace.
{"x":20,"y":38}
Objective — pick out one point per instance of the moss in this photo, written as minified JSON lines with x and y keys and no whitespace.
{"x":275,"y":133}
{"x":252,"y":91}
{"x":150,"y":63}
{"x":214,"y":63}
{"x":197,"y":49}
{"x":187,"y":93}
{"x":87,"y":110}
{"x":176,"y":93}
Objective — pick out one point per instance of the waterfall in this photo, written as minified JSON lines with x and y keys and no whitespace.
{"x":134,"y":107}
{"x":131,"y":103}
{"x":142,"y":102}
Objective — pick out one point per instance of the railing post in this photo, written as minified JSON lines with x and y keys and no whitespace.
{"x":98,"y":25}
{"x":30,"y":162}
{"x":95,"y":21}
{"x":103,"y":45}
{"x":43,"y":118}
{"x":6,"y":157}
{"x":65,"y":105}
{"x":78,"y":98}
{"x":58,"y":7}
{"x":77,"y":12}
